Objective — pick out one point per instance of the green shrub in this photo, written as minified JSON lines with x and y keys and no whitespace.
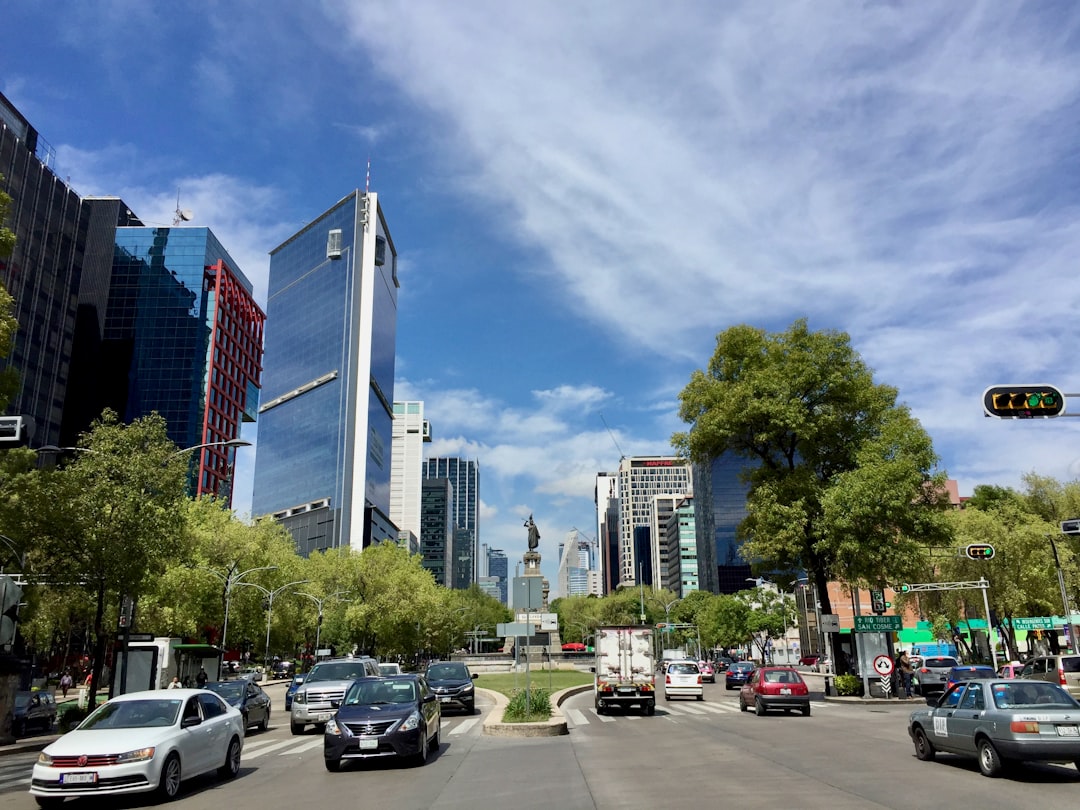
{"x":536,"y":708}
{"x":847,"y":685}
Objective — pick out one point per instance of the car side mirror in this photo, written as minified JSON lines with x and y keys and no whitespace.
{"x":188,"y":722}
{"x":592,"y":669}
{"x":429,"y":698}
{"x":475,"y":675}
{"x":932,"y":701}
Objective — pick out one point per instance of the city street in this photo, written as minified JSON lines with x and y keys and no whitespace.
{"x":845,"y":755}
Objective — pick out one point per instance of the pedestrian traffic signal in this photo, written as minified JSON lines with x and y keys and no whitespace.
{"x":980,"y":551}
{"x":1023,"y":401}
{"x":877,"y":601}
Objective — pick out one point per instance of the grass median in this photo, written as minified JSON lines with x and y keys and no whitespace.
{"x":552,"y":680}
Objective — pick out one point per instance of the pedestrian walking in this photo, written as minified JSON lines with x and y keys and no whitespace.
{"x":66,"y":682}
{"x":906,"y":672}
{"x":202,"y":677}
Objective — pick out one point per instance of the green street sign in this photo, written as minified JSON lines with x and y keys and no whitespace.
{"x":1035,"y":623}
{"x":878,"y":624}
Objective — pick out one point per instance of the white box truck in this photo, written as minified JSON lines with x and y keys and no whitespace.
{"x":625,"y":671}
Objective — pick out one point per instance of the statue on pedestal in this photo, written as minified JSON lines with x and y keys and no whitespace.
{"x":534,"y":533}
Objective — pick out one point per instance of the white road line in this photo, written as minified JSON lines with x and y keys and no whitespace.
{"x":14,"y":783}
{"x":254,"y":745}
{"x":577,"y":717}
{"x":683,"y":709}
{"x":302,"y":748}
{"x":464,"y":726}
{"x":268,"y":748}
{"x":718,"y":708}
{"x":603,"y":718}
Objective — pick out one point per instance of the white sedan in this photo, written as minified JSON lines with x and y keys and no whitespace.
{"x":140,"y":742}
{"x":683,"y":679}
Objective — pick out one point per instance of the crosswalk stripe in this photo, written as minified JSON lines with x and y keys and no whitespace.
{"x":266,"y":749}
{"x":464,"y":726}
{"x":302,"y":748}
{"x":603,"y":718}
{"x":682,"y":710}
{"x":577,"y":716}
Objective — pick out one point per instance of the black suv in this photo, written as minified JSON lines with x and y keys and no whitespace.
{"x":452,"y":683}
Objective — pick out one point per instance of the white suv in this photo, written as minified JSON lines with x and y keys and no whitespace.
{"x":324,"y":686}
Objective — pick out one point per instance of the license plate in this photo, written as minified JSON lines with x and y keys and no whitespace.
{"x":78,"y":778}
{"x":444,"y":700}
{"x":1068,"y":731}
{"x":368,"y":744}
{"x":325,"y":716}
{"x":785,"y":691}
{"x":626,"y":690}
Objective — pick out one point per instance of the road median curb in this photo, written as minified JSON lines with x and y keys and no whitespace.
{"x":554,"y":726}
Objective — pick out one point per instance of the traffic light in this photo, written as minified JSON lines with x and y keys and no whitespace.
{"x":1023,"y":401}
{"x":877,"y":601}
{"x":980,"y":551}
{"x":10,"y":596}
{"x":902,"y":588}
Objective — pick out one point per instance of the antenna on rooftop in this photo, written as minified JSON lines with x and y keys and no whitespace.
{"x":622,"y":455}
{"x":367,"y":179}
{"x":181,"y":215}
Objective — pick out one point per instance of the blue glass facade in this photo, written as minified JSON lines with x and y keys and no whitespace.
{"x":464,"y":477}
{"x":720,"y":495}
{"x":326,"y":417}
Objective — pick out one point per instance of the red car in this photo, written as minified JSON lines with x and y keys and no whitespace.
{"x":775,"y":688}
{"x":574,"y":646}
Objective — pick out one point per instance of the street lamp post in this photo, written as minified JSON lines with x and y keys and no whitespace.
{"x":270,"y":594}
{"x":319,"y":604}
{"x":19,"y":555}
{"x":231,"y":578}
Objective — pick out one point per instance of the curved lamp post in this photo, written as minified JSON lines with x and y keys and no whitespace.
{"x":270,"y":594}
{"x":319,"y":604}
{"x":231,"y":578}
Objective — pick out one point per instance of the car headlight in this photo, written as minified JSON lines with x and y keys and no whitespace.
{"x":411,"y":722}
{"x":467,"y":687}
{"x":332,"y":727}
{"x":300,"y":697}
{"x":44,"y":759}
{"x":138,"y":755}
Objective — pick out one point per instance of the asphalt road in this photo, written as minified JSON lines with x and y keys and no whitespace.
{"x":688,"y":753}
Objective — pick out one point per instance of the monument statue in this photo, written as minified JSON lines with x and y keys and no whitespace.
{"x":534,"y":534}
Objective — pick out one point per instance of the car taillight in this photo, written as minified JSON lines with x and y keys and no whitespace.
{"x":1061,"y":677}
{"x":699,"y":679}
{"x":667,"y":679}
{"x":924,"y":670}
{"x":1024,"y":727}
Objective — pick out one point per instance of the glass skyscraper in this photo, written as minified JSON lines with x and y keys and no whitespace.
{"x":324,"y":453}
{"x":464,"y":477}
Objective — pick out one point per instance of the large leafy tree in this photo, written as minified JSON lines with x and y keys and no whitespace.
{"x":842,"y":478}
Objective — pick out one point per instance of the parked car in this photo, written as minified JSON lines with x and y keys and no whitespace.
{"x":141,"y":742}
{"x":708,"y":674}
{"x":574,"y":646}
{"x":933,"y":673}
{"x":390,"y":669}
{"x":248,"y":697}
{"x":738,"y":674}
{"x":282,"y":670}
{"x":1064,"y":670}
{"x":968,"y":672}
{"x":998,"y":722}
{"x":775,"y":688}
{"x":384,"y":717}
{"x":326,"y":684}
{"x":452,"y":682}
{"x":1010,"y":670}
{"x":251,"y":674}
{"x":293,"y":686}
{"x":33,"y":710}
{"x":809,"y":660}
{"x":683,"y":679}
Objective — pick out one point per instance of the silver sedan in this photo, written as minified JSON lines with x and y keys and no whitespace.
{"x":999,"y":723}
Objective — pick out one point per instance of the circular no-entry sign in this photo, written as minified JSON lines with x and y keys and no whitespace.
{"x":883,"y":665}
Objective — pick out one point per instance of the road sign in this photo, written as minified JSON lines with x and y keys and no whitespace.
{"x":1033,"y":623}
{"x":830,"y":623}
{"x":883,"y":665}
{"x":1070,"y":526}
{"x":513,"y":629}
{"x":1029,"y":401}
{"x":878,"y":624}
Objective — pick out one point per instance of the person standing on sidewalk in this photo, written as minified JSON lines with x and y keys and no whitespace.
{"x":906,"y":672}
{"x":66,"y":682}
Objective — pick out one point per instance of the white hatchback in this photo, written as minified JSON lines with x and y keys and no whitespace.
{"x":683,"y":679}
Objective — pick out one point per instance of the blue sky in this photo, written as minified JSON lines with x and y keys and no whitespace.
{"x":583,"y":195}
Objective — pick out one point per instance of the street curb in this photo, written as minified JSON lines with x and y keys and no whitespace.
{"x":24,"y":747}
{"x":555,"y":726}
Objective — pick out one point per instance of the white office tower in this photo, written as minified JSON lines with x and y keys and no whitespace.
{"x":641,"y":479}
{"x":410,"y":430}
{"x":576,"y":561}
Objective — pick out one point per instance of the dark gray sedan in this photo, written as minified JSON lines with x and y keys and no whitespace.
{"x":999,"y":723}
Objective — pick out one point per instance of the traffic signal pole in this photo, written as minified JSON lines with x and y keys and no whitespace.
{"x":1064,"y":597}
{"x":981,"y":583}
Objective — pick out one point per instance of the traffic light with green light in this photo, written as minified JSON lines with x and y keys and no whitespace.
{"x":1023,"y":401}
{"x":980,"y":551}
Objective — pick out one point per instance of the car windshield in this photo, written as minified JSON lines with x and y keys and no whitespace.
{"x":378,"y":692}
{"x":336,"y":671}
{"x":957,"y":673}
{"x":743,"y":666}
{"x":443,"y":672}
{"x":939,"y":662}
{"x":133,"y":714}
{"x":230,"y":690}
{"x":1031,"y":694}
{"x":781,"y":676}
{"x":683,"y":669}
{"x":389,"y":669}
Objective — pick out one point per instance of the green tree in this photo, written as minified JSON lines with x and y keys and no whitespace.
{"x":109,"y":521}
{"x":842,"y":483}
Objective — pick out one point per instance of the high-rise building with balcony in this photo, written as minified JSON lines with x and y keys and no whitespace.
{"x":641,"y":478}
{"x":325,"y":424}
{"x":410,"y":432}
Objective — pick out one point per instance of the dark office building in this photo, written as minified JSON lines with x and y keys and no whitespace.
{"x":42,"y":275}
{"x":464,"y":477}
{"x":720,"y":501}
{"x":437,"y":528}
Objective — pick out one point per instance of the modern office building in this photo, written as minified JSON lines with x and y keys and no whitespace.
{"x":410,"y":432}
{"x":664,"y":544}
{"x":182,"y":337}
{"x":325,"y":423}
{"x":606,"y":498}
{"x":497,"y":569}
{"x":576,"y":562}
{"x":681,"y":525}
{"x":437,"y":528}
{"x":42,"y":274}
{"x":720,"y":506}
{"x":641,"y":478}
{"x":464,"y":477}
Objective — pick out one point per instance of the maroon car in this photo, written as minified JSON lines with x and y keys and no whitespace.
{"x":775,"y":688}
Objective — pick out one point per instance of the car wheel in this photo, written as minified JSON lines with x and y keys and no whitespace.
{"x":296,"y":728}
{"x":650,"y":709}
{"x":759,"y":707}
{"x":332,"y":765}
{"x":924,"y":749}
{"x":19,"y":730}
{"x":989,"y":762}
{"x":600,"y":709}
{"x":806,"y":711}
{"x":232,"y":760}
{"x":701,"y":696}
{"x":265,"y":721}
{"x":49,"y":801}
{"x":435,"y":740}
{"x":421,"y":756}
{"x":169,"y":783}
{"x":742,"y":704}
{"x":245,"y":720}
